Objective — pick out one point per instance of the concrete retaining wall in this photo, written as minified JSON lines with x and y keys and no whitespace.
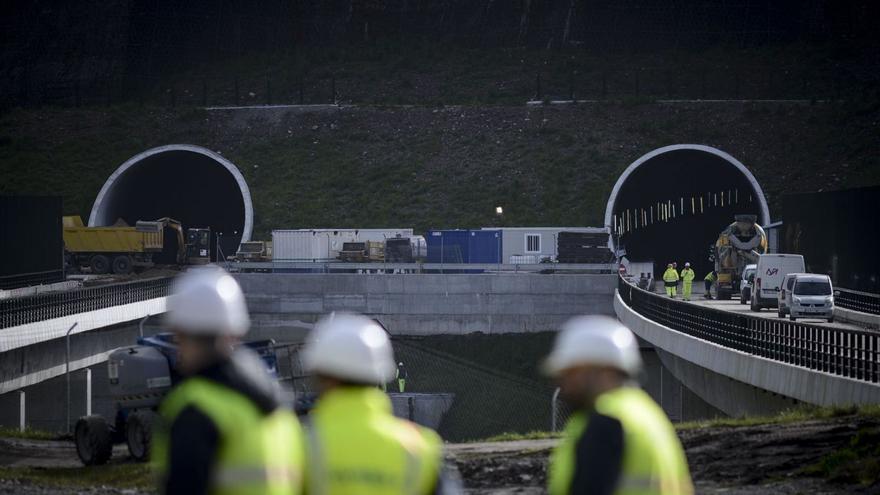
{"x":426,"y":304}
{"x":802,"y":384}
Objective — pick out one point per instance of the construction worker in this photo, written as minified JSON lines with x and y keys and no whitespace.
{"x":709,"y":280}
{"x":687,"y":281}
{"x":355,"y":444}
{"x":670,"y":280}
{"x":401,"y":376}
{"x":618,"y":441}
{"x":222,"y":430}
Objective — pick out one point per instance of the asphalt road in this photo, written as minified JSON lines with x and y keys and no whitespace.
{"x":734,"y":306}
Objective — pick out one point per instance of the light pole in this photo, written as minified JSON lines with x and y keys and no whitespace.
{"x":67,"y":373}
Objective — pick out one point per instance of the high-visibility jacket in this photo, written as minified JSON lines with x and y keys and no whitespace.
{"x":687,"y":275}
{"x":356,"y":445}
{"x":258,"y":453}
{"x":710,"y":277}
{"x":653,"y":459}
{"x":670,"y":275}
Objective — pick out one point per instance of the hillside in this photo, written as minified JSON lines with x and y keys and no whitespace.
{"x":439,"y":166}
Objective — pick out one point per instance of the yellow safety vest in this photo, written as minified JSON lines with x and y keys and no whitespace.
{"x":653,"y":458}
{"x":710,"y":277}
{"x":258,"y":453}
{"x":357,"y":446}
{"x":670,"y":275}
{"x":687,"y":275}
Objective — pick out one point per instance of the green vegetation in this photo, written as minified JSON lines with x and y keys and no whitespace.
{"x":795,"y":415}
{"x":513,"y":437}
{"x":124,"y":476}
{"x":28,"y":434}
{"x":859,"y":462}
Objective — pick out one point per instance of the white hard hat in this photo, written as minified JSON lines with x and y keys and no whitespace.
{"x":350,"y":347}
{"x":208,"y":301}
{"x":597,"y":340}
{"x":687,"y":264}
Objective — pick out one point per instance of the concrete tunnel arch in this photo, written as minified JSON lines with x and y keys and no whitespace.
{"x":683,"y":169}
{"x":189,"y":183}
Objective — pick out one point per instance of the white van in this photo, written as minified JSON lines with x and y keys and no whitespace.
{"x":771,"y":269}
{"x":811,"y":297}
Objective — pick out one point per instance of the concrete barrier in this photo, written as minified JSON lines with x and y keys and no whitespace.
{"x":866,"y":320}
{"x":794,"y":382}
{"x":426,"y":304}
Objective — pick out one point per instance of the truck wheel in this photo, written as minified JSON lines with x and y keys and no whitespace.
{"x":755,"y":306}
{"x":792,"y":317}
{"x":122,"y":265}
{"x":139,"y":434}
{"x":100,"y":264}
{"x":94,"y":440}
{"x":780,"y":313}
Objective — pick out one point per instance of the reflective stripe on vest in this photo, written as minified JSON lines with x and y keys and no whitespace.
{"x":653,"y":459}
{"x":257,"y":453}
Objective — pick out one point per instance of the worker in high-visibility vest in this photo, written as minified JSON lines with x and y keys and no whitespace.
{"x":355,"y":444}
{"x":402,"y":375}
{"x":618,"y":440}
{"x":687,"y":281}
{"x":709,"y":280}
{"x":222,"y":430}
{"x":670,"y":280}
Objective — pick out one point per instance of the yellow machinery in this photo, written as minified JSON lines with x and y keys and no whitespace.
{"x":738,"y":245}
{"x":119,"y":248}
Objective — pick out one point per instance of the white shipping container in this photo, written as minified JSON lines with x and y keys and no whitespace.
{"x":324,"y":244}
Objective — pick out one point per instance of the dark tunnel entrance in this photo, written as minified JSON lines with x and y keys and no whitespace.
{"x":671,"y":204}
{"x":187,"y":183}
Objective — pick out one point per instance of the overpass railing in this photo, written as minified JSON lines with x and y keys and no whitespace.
{"x":864,"y":302}
{"x":849,"y":353}
{"x":40,"y":307}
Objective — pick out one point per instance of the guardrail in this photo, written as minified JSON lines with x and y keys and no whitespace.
{"x":849,"y":353}
{"x":864,"y":302}
{"x":344,"y":267}
{"x":40,"y":307}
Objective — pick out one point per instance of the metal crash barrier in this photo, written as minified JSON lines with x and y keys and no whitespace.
{"x":30,"y":309}
{"x":864,"y":302}
{"x":849,"y":353}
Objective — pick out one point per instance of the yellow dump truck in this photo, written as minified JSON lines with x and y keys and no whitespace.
{"x":119,"y":248}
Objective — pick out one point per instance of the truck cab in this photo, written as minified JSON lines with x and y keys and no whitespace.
{"x":198,"y":246}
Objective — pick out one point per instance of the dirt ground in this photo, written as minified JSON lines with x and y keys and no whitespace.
{"x":739,"y":460}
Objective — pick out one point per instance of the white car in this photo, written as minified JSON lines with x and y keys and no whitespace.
{"x":811,"y":296}
{"x":785,"y":294}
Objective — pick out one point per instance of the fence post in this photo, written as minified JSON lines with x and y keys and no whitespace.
{"x":88,"y":391}
{"x":268,"y":92}
{"x":21,"y":418}
{"x":553,"y":410}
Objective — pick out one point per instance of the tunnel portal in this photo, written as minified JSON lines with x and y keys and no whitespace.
{"x":671,"y":204}
{"x":188,"y":183}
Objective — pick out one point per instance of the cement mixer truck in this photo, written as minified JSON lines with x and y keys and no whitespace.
{"x":738,"y":245}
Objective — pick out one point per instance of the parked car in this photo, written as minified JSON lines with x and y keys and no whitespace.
{"x":771,"y":269}
{"x":812,"y":296}
{"x":784,"y":298}
{"x":748,"y":279}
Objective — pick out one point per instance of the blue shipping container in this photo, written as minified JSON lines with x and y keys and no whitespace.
{"x":484,"y":246}
{"x":464,"y":246}
{"x":447,"y":246}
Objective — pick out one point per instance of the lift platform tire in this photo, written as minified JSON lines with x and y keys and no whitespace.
{"x":122,"y":265}
{"x":99,"y":264}
{"x":723,"y":294}
{"x":139,"y":434}
{"x":94,"y":440}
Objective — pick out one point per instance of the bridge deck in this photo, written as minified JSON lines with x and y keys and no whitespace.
{"x":734,"y":306}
